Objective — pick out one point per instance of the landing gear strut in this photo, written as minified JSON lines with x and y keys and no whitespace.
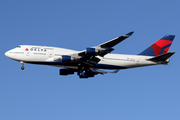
{"x":79,"y":69}
{"x":22,"y":67}
{"x":83,"y":71}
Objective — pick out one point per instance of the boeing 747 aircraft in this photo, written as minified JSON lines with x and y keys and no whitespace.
{"x":92,"y":60}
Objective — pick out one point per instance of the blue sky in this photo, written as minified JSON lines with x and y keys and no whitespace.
{"x":38,"y":92}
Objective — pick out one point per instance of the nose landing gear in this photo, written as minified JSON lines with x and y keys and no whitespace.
{"x":22,"y":67}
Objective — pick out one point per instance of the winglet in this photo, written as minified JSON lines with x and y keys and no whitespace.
{"x":129,"y":34}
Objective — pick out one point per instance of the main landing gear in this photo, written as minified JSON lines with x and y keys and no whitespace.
{"x":79,"y":69}
{"x":22,"y":67}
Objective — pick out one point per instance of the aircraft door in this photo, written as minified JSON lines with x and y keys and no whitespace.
{"x":50,"y":53}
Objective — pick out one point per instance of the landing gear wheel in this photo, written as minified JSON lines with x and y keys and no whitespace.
{"x":22,"y":67}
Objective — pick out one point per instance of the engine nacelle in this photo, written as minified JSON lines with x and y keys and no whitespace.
{"x":66,"y":58}
{"x":66,"y":71}
{"x":98,"y":50}
{"x":92,"y":51}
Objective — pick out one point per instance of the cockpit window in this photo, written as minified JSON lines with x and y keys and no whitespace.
{"x":18,"y":46}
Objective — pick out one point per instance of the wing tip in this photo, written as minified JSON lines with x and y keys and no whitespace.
{"x":129,"y":34}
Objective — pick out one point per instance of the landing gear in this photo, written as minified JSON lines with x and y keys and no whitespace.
{"x":79,"y":69}
{"x":84,"y":71}
{"x":22,"y":67}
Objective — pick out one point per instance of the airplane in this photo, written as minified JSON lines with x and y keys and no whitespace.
{"x":93,"y":60}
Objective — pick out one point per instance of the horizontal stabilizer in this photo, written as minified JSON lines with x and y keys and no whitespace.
{"x":162,"y":57}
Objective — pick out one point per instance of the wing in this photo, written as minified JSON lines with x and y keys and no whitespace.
{"x":104,"y":48}
{"x":88,"y":56}
{"x":115,"y":41}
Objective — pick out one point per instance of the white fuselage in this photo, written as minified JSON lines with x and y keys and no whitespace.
{"x":45,"y":55}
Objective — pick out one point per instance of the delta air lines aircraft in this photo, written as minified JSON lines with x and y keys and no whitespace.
{"x":93,"y":60}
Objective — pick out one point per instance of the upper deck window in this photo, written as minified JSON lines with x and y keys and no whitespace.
{"x":18,"y":46}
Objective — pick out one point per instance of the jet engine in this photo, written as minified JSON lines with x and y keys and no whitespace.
{"x":65,"y":58}
{"x":98,"y":50}
{"x":66,"y":71}
{"x":91,"y":51}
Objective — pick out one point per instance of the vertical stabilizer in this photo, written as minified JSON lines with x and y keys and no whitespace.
{"x":160,"y":47}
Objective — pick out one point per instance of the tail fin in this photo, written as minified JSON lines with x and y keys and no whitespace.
{"x":160,"y":47}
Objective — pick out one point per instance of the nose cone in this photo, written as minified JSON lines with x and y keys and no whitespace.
{"x":7,"y":53}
